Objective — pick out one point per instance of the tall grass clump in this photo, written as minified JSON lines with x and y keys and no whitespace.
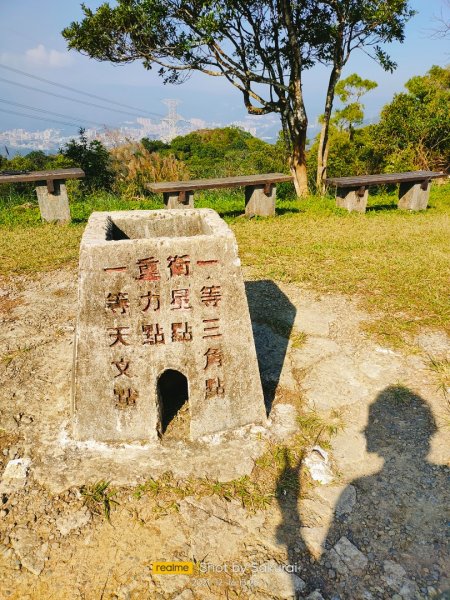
{"x":134,"y":166}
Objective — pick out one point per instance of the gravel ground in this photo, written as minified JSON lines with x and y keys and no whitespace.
{"x":375,"y":530}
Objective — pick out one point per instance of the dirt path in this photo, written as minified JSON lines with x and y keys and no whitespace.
{"x":375,"y":530}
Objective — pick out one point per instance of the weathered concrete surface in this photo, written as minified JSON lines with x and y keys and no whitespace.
{"x":160,"y":291}
{"x":177,"y":200}
{"x":258,"y":203}
{"x":350,"y":199}
{"x":54,"y":207}
{"x":221,"y":456}
{"x":412,"y":196}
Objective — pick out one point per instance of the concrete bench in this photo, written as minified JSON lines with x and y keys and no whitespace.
{"x":50,"y":190}
{"x":260,"y":191}
{"x":414,"y":191}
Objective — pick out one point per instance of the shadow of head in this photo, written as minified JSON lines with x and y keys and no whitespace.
{"x":272,"y":315}
{"x":400,"y":422}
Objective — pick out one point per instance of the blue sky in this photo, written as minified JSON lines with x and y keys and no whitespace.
{"x":30,"y":40}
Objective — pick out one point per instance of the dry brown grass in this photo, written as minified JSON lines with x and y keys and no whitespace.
{"x":135,"y":166}
{"x":7,"y":304}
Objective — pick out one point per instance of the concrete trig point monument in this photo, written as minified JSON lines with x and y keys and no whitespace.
{"x":162,"y":321}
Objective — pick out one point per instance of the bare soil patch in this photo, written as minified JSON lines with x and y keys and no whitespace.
{"x":375,"y":531}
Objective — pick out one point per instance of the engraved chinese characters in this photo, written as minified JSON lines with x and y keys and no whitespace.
{"x":152,"y":303}
{"x":160,"y":294}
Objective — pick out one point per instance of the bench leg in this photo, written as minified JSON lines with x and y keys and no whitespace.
{"x":260,"y":200}
{"x":54,"y":206}
{"x":179,"y":200}
{"x":353,"y":199}
{"x":413,"y":196}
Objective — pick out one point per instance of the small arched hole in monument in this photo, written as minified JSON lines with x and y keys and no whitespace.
{"x":173,"y":397}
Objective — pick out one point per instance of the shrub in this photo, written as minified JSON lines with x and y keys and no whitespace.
{"x":33,"y":161}
{"x":154,"y":145}
{"x":94,"y":159}
{"x":134,"y":166}
{"x":226,"y":152}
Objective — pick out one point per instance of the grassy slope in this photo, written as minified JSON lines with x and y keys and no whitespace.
{"x":396,"y":262}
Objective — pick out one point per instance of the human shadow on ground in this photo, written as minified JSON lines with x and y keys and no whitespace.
{"x":389,"y":535}
{"x":272,"y":315}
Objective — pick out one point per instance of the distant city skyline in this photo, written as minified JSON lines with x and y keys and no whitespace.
{"x":51,"y":139}
{"x":31,"y":43}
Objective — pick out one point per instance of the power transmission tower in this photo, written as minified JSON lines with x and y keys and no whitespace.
{"x":171,"y":120}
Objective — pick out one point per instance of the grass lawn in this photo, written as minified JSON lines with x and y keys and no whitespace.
{"x":395,"y":262}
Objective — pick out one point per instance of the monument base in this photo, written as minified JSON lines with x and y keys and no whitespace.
{"x":163,"y":337}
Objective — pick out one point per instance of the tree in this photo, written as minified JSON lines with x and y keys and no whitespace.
{"x":93,"y":158}
{"x":261,"y":48}
{"x":361,"y":25}
{"x":350,"y":90}
{"x":226,"y":151}
{"x":413,"y":133}
{"x":414,"y":129}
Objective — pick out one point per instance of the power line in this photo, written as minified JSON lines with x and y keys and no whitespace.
{"x":55,"y":95}
{"x":67,"y":87}
{"x":47,"y":112}
{"x":13,"y":112}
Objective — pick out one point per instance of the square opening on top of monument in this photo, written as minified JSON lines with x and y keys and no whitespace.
{"x":163,"y":328}
{"x":128,"y":226}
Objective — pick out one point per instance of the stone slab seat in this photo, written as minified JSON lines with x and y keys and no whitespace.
{"x":260,"y":191}
{"x":414,"y":191}
{"x":50,"y":190}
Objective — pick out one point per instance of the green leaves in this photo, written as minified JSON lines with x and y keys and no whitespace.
{"x":418,"y":122}
{"x":350,"y":90}
{"x":384,"y":60}
{"x":413,"y":131}
{"x":99,"y":498}
{"x":93,"y":158}
{"x":353,"y":87}
{"x":253,"y":35}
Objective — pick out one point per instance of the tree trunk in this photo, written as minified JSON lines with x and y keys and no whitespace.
{"x":322,"y":158}
{"x":322,"y":153}
{"x":297,"y":164}
{"x":295,"y":124}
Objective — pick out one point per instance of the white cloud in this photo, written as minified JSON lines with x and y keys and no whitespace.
{"x":43,"y":57}
{"x":37,"y":57}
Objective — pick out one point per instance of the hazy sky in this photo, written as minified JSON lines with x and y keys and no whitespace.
{"x":30,"y":40}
